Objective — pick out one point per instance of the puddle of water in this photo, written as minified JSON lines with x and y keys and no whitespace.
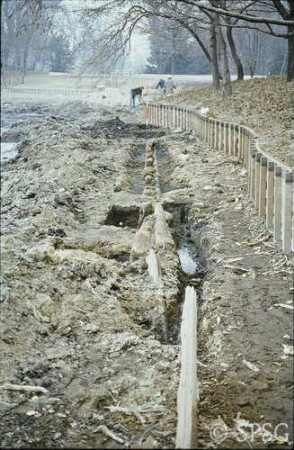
{"x":8,"y":151}
{"x":11,"y":119}
{"x":188,"y":265}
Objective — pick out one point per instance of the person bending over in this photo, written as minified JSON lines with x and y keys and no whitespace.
{"x":161,"y":84}
{"x":136,"y":92}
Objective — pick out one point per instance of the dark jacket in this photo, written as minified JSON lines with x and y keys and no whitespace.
{"x":161,"y":84}
{"x":136,"y":91}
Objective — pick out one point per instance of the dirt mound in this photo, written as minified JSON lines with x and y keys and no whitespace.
{"x":263,"y":104}
{"x":117,"y":128}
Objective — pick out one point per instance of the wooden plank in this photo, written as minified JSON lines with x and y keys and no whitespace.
{"x":188,"y":392}
{"x":153,"y":266}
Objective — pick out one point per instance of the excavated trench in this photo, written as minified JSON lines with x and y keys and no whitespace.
{"x":192,"y":265}
{"x":80,"y":257}
{"x":189,"y":256}
{"x":187,"y":236}
{"x":136,"y":164}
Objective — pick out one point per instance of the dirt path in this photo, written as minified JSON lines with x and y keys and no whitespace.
{"x":80,"y":315}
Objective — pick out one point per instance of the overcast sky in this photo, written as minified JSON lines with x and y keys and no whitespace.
{"x":140,"y":52}
{"x":139,"y":48}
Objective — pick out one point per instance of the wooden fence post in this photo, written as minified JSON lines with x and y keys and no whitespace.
{"x":216,"y":133}
{"x":270,"y":195}
{"x":226,"y":138}
{"x":230,"y":139}
{"x":221,"y":136}
{"x":257,"y":178}
{"x":166,"y":115}
{"x":278,"y":204}
{"x":262,"y":187}
{"x":202,"y":128}
{"x":251,"y":179}
{"x":246,"y":147}
{"x":212,"y":124}
{"x":239,"y":144}
{"x":176,"y":117}
{"x":209,"y":131}
{"x":287,"y":212}
{"x":182,"y":118}
{"x":205,"y":129}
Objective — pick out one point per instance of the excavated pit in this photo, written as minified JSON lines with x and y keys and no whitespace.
{"x":123,"y":216}
{"x":117,"y":128}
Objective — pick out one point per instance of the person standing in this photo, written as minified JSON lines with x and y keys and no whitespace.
{"x":170,"y":85}
{"x":136,"y":92}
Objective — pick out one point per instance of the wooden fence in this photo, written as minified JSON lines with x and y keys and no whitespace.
{"x":270,"y":183}
{"x":47,"y":91}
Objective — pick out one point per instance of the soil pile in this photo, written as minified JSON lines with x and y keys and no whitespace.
{"x":264,"y":104}
{"x":78,"y":317}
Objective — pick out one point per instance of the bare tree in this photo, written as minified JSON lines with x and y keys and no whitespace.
{"x":227,"y":85}
{"x":24,"y":33}
{"x":284,"y":9}
{"x":245,"y":14}
{"x":202,"y":18}
{"x":253,"y":50}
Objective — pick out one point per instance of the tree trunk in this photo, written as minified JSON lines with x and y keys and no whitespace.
{"x":24,"y":67}
{"x":290,"y":70}
{"x":173,"y":55}
{"x":226,"y":76}
{"x":18,"y":64}
{"x":214,"y":58}
{"x":173,"y":64}
{"x":235,"y":56}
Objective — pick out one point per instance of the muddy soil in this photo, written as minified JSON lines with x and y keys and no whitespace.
{"x":80,"y":318}
{"x":245,"y":306}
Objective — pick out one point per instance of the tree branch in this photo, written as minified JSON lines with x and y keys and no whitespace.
{"x":246,"y":17}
